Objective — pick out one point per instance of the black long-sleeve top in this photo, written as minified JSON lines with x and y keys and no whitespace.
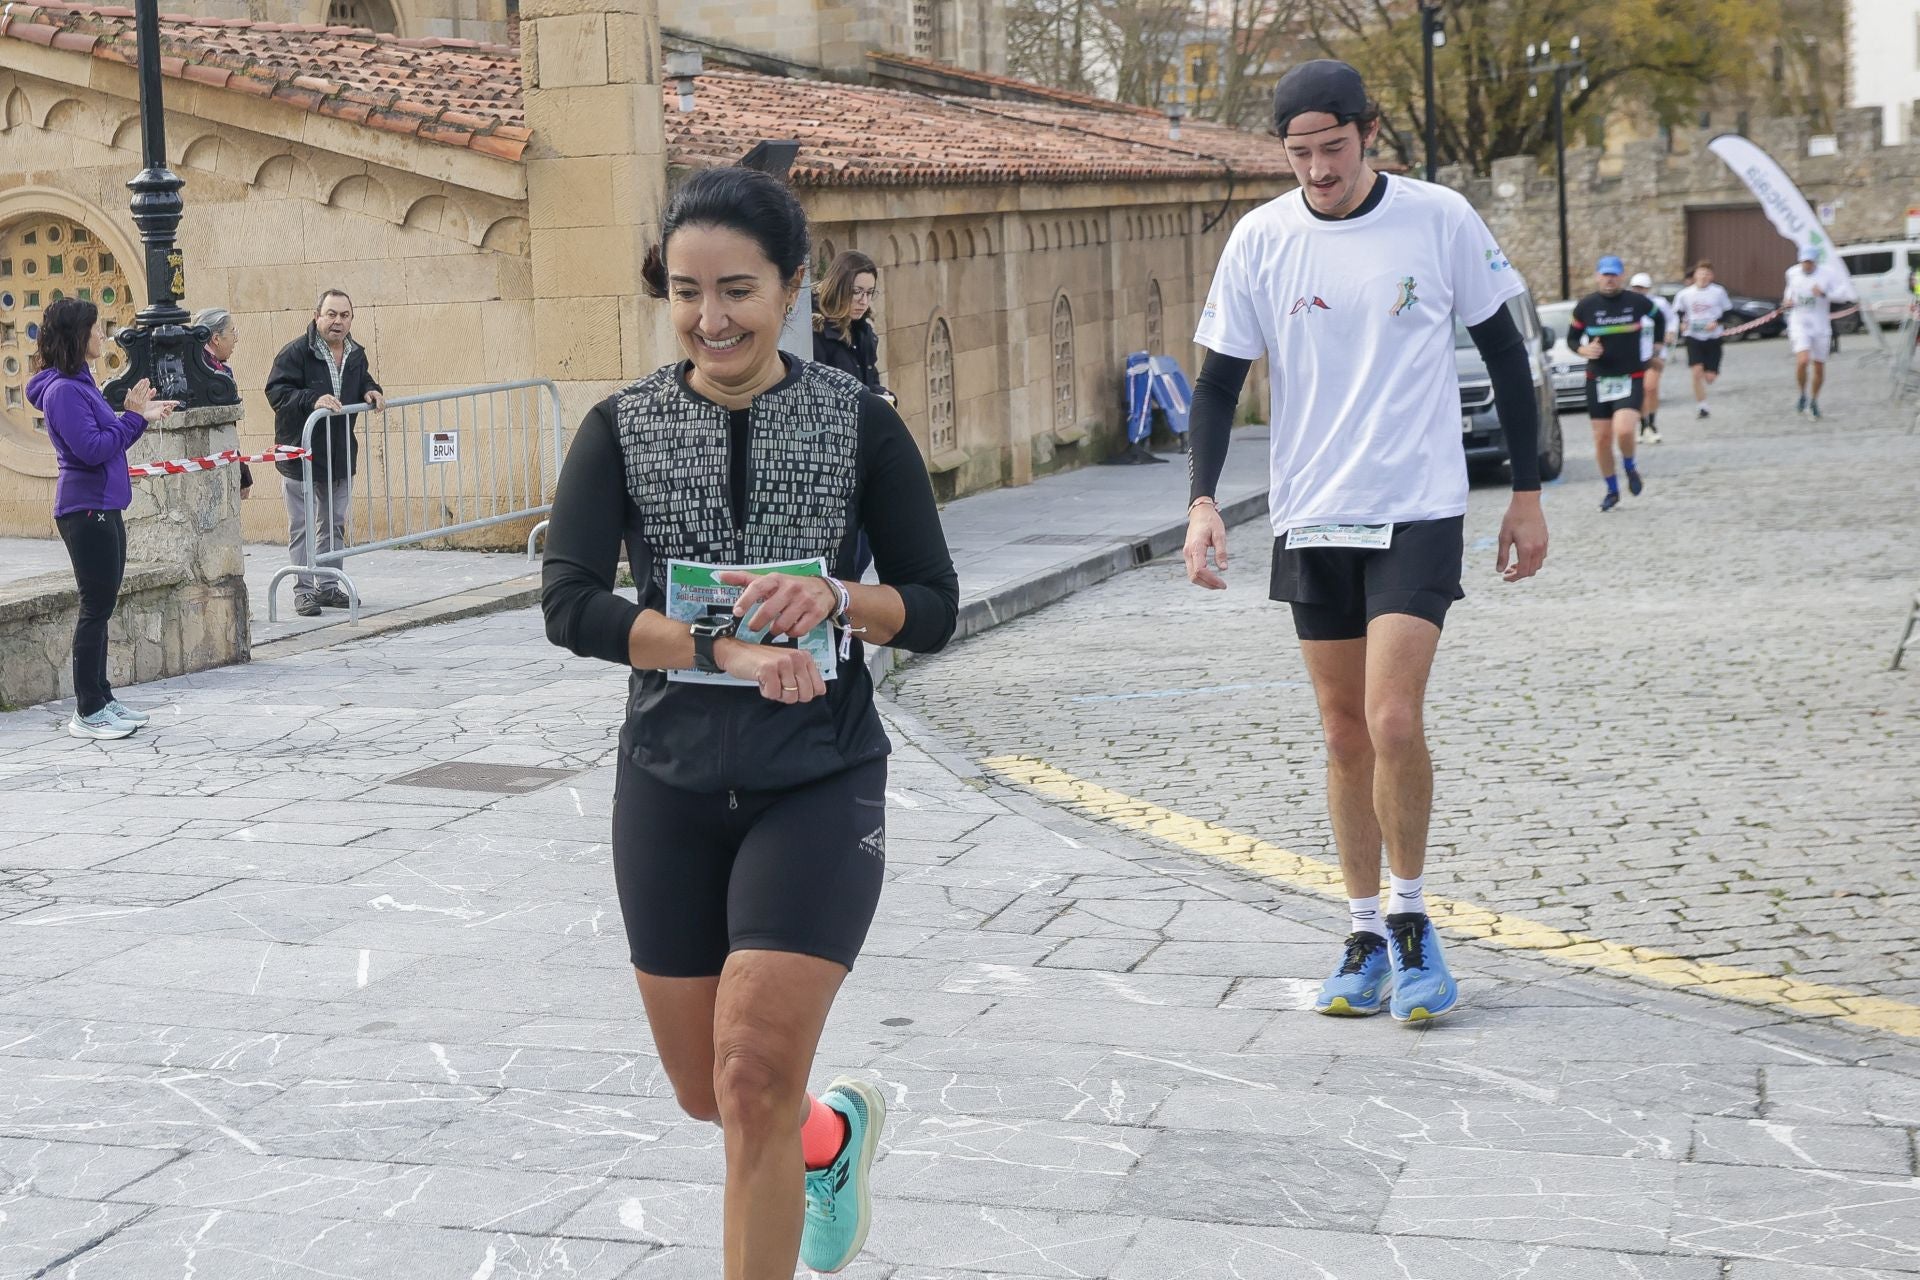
{"x":707,"y":738}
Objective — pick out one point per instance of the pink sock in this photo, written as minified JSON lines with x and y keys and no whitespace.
{"x":822,"y":1134}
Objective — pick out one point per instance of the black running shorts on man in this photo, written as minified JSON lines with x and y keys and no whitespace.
{"x":1336,"y":591}
{"x":1599,"y":409}
{"x":1704,"y":353}
{"x":704,"y":874}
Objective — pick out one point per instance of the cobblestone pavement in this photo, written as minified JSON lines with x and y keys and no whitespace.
{"x":1682,"y":735}
{"x":271,"y":1011}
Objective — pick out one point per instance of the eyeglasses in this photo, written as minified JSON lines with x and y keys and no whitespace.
{"x":867,"y":295}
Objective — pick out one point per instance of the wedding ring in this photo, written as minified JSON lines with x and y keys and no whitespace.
{"x":791,"y":688}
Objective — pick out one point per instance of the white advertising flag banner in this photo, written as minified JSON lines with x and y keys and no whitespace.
{"x":1785,"y":207}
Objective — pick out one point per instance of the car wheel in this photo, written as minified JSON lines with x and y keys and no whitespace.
{"x":1553,"y":454}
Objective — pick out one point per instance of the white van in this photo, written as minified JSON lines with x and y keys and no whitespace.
{"x":1883,"y":276}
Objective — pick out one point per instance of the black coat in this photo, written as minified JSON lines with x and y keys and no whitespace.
{"x":860,"y":357}
{"x":300,"y":378}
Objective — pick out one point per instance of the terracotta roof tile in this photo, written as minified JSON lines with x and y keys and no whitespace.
{"x":447,"y":91}
{"x":463,"y":94}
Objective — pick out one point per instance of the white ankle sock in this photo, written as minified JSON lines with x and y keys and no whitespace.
{"x":1366,"y":915}
{"x":1408,"y":895}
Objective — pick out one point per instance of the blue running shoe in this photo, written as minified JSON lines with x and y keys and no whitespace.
{"x":1423,"y":989}
{"x":839,"y":1201}
{"x":1359,"y":986}
{"x":1634,"y":483}
{"x":1611,"y":501}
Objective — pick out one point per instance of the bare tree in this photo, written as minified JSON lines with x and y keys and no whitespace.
{"x":1050,"y":42}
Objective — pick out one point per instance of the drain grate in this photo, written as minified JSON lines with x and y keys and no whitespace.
{"x":470,"y":775}
{"x":1063,"y":539}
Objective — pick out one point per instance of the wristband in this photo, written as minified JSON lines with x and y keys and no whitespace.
{"x":1202,"y":498}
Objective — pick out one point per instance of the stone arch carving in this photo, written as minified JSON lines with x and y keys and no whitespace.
{"x":508,"y":236}
{"x":933,"y":246}
{"x":66,"y":115}
{"x":1065,"y":403}
{"x":953,"y":246}
{"x":363,"y":194}
{"x":913,"y":246}
{"x":126,"y":135}
{"x":203,"y":153}
{"x":434,"y":212}
{"x":283,"y":173}
{"x":18,"y":110}
{"x":893,"y":251}
{"x":943,"y":433}
{"x":823,"y":259}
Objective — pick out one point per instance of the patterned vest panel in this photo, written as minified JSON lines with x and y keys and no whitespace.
{"x":802,"y":464}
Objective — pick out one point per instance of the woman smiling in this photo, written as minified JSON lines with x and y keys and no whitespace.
{"x":749,"y":827}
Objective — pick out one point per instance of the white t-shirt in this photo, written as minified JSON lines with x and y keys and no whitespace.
{"x":1356,"y":319}
{"x":1671,"y":334}
{"x":1700,"y":310}
{"x":1811,"y":312}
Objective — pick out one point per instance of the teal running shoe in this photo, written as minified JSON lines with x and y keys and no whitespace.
{"x":839,"y":1199}
{"x":121,"y":711}
{"x":1423,"y":989}
{"x":1360,"y":985}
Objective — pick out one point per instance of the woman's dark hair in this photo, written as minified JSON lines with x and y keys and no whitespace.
{"x":756,"y":204}
{"x":65,"y":330}
{"x":833,"y":301}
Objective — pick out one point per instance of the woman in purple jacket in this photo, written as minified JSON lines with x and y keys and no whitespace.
{"x":90,"y":440}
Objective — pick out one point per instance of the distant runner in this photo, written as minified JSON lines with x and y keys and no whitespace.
{"x":1809,"y":327}
{"x":1700,"y":306}
{"x":1655,"y":354}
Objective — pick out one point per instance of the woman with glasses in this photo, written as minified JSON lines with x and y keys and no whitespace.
{"x":843,"y":334}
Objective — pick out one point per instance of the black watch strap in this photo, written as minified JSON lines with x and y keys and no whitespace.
{"x":703,"y":652}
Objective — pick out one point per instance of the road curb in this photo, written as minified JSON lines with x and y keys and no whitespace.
{"x":514,"y":593}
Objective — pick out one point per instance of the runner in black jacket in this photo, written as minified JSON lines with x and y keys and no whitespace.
{"x":749,"y":827}
{"x":1607,"y":328}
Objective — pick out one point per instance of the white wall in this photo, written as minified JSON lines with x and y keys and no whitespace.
{"x":1883,"y":54}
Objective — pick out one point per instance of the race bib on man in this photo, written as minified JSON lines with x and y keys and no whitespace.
{"x":1613,"y":388}
{"x":1373,"y":536}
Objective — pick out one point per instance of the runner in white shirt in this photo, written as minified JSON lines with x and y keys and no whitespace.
{"x":1654,"y":353}
{"x":1699,"y":307}
{"x":1350,"y":286}
{"x":1809,"y":326}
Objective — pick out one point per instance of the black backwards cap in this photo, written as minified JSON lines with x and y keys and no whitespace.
{"x":1321,"y":85}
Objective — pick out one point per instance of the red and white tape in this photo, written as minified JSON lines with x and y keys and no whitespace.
{"x":226,"y":457}
{"x":1737,"y":330}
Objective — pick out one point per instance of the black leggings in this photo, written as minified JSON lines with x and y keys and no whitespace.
{"x":701,"y":874}
{"x":97,"y":545}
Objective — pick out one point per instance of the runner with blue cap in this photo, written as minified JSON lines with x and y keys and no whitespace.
{"x":1607,"y":328}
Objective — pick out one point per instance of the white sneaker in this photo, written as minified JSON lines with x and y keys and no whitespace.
{"x":101,"y":724}
{"x":121,"y":711}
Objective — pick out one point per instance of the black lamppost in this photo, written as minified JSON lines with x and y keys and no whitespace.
{"x":1540,"y":62}
{"x":161,"y":344}
{"x":1433,"y":34}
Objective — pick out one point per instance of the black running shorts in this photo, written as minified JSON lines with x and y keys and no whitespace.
{"x":1602,"y":409}
{"x":1704,"y":353}
{"x":1336,"y":591}
{"x":702,"y":875}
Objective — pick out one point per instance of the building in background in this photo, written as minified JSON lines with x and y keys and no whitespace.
{"x":1883,"y":61}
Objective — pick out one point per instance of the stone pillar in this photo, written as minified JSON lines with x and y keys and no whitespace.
{"x":1016,"y":376}
{"x":596,"y":181}
{"x":188,"y":526}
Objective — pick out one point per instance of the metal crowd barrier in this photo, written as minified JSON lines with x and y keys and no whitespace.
{"x":430,"y":467}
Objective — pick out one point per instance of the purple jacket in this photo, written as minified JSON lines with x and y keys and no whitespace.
{"x":89,"y":439}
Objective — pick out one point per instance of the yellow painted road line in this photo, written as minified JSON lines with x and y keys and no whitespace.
{"x":1517,"y":933}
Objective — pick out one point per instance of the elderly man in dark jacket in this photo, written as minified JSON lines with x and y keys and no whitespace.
{"x":324,"y":368}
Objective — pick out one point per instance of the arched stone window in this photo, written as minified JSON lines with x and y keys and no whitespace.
{"x":369,"y":15}
{"x":1156,"y":320}
{"x":43,"y":258}
{"x":942,"y":429}
{"x":1065,"y":411}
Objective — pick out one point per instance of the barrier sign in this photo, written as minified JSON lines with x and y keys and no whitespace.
{"x":443,"y":446}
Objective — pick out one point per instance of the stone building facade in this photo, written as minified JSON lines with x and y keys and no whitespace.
{"x":1645,"y":210}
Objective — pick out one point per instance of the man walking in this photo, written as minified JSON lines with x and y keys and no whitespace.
{"x":1699,"y":307}
{"x":324,"y":368}
{"x":1809,"y":327}
{"x":1350,"y":286}
{"x":1611,"y":327}
{"x":1655,"y":354}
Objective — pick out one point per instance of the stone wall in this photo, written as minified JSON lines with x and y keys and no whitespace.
{"x":439,"y":271}
{"x":1641,"y":214}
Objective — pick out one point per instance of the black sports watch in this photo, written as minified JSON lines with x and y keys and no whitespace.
{"x":706,"y":630}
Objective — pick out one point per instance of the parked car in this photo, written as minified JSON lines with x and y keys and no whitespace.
{"x":1745,"y":311}
{"x":1480,"y":433}
{"x":1567,"y":366}
{"x":1883,"y":277}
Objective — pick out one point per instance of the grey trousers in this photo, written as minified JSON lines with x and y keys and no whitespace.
{"x":330,"y":502}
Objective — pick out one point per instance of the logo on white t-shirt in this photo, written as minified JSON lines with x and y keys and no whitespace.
{"x":1407,"y":296}
{"x":1497,"y":261}
{"x":1308,"y":305}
